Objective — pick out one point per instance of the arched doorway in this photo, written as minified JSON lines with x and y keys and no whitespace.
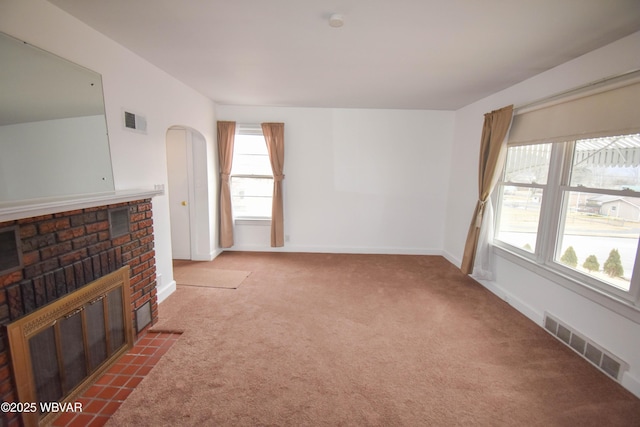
{"x":188,"y":193}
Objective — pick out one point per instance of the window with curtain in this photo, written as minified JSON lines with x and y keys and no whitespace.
{"x":251,"y":177}
{"x":569,"y":196}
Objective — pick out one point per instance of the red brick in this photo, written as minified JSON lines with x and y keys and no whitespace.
{"x":28,"y":230}
{"x":146,"y":256}
{"x":140,"y":268}
{"x":14,"y":422}
{"x":55,"y":250}
{"x":5,"y":387}
{"x":84,"y":241}
{"x":146,"y":223}
{"x":11,"y":278}
{"x":53,"y":225}
{"x":99,"y":247}
{"x":119,"y":241}
{"x":97,"y":226}
{"x":34,"y":219}
{"x":135,"y":297}
{"x":69,"y":213}
{"x":70,"y":234}
{"x":146,"y":239}
{"x":29,"y":258}
{"x":5,"y":373}
{"x":118,"y":205}
{"x":137,"y":217}
{"x":71,"y":257}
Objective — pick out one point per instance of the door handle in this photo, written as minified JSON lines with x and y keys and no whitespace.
{"x":184,"y":203}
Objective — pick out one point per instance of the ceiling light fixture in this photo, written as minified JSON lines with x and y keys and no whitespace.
{"x":336,"y":20}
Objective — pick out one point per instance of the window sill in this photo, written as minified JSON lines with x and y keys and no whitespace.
{"x":621,"y":306}
{"x":252,"y":221}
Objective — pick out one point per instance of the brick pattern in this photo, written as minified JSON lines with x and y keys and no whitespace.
{"x":65,"y":251}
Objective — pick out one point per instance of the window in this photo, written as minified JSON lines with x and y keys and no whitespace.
{"x":574,"y":207}
{"x":251,"y":175}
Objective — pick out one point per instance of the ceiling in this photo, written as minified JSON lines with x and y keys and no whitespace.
{"x":406,"y":54}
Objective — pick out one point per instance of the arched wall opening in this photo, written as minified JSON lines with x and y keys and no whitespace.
{"x":189,"y":192}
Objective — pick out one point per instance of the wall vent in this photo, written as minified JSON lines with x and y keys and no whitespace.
{"x":10,"y":250}
{"x":598,"y":356}
{"x":143,"y":316}
{"x":119,"y":222}
{"x":135,"y":122}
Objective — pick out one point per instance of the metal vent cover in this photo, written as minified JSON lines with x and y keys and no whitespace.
{"x":594,"y":353}
{"x":119,"y":222}
{"x":10,"y":250}
{"x":134,"y":122}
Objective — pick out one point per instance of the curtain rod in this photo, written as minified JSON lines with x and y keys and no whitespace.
{"x":623,"y":77}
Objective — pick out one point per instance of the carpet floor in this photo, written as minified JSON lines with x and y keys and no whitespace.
{"x":363,"y":340}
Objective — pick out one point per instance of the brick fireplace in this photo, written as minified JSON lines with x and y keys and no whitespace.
{"x":62,"y":252}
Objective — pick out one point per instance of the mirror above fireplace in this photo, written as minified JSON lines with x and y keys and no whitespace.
{"x":53,"y":131}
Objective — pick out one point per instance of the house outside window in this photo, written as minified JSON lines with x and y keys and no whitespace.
{"x":251,"y":176}
{"x":574,"y":207}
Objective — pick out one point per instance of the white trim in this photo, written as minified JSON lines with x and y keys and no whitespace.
{"x":337,"y":250}
{"x":10,"y":211}
{"x":164,"y":292}
{"x":252,"y":221}
{"x":631,"y":383}
{"x":524,"y":308}
{"x":609,"y":301}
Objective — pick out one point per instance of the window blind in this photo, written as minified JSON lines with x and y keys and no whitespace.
{"x":606,"y":110}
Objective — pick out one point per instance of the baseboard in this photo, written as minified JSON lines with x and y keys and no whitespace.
{"x":337,"y":250}
{"x":203,"y":257}
{"x":631,"y":383}
{"x":217,"y":252}
{"x":164,"y":290}
{"x":452,"y":259}
{"x":516,"y":303}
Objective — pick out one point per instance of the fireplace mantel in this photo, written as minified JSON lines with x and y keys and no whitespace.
{"x":10,"y":211}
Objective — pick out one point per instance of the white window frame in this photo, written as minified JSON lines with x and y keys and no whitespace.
{"x":542,"y":260}
{"x":249,"y":129}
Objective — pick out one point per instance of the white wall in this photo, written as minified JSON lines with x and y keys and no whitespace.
{"x":527,"y":291}
{"x":357,"y":180}
{"x":139,"y":160}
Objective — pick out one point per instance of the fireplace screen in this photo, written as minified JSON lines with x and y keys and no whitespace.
{"x":65,"y":345}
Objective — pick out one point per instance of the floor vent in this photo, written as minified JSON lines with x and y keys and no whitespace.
{"x":601,"y":358}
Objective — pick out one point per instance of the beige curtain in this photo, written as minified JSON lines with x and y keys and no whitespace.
{"x":274,"y":136}
{"x":493,"y":152}
{"x":226,"y":134}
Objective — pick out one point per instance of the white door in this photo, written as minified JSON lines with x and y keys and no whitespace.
{"x":178,"y":162}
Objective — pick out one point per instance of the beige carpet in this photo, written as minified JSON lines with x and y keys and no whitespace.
{"x":204,"y":274}
{"x":363,"y":340}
